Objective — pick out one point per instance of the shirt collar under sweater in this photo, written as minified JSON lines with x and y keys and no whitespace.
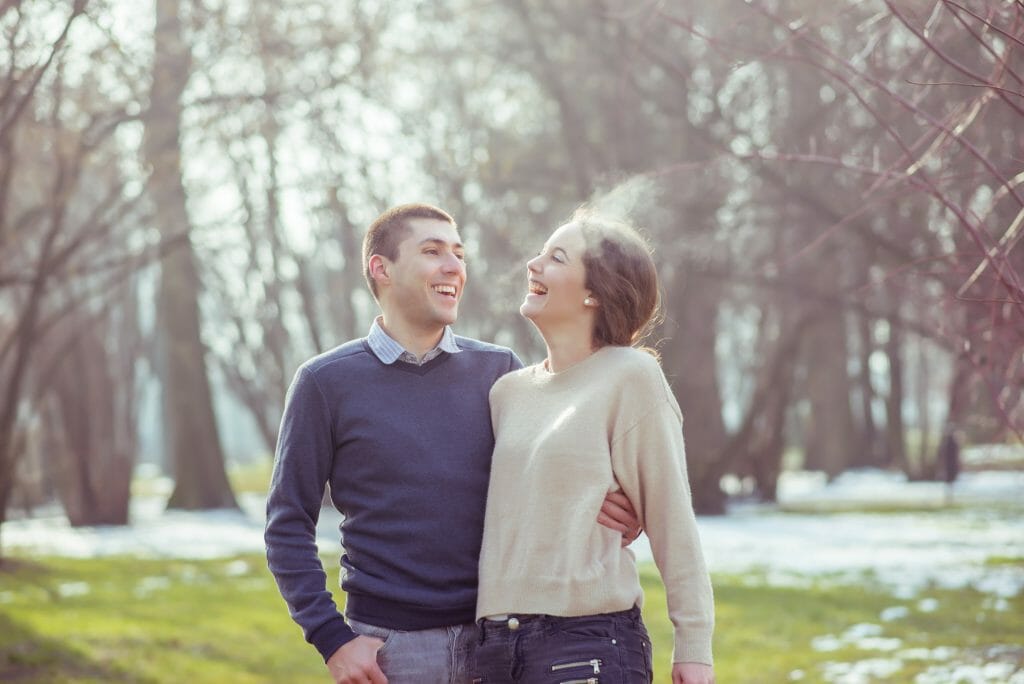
{"x":388,"y":350}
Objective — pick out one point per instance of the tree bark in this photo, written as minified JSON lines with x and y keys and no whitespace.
{"x":94,"y":463}
{"x":690,"y":363}
{"x":831,"y":435}
{"x":190,"y":429}
{"x":896,"y":449}
{"x":867,"y":454}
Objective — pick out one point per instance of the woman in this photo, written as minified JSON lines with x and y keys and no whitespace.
{"x":559,"y":597}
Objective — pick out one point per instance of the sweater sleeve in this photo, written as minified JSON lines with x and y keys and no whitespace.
{"x":649,"y":461}
{"x":301,"y":470}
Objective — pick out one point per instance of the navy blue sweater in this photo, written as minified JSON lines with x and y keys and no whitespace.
{"x":406,"y":450}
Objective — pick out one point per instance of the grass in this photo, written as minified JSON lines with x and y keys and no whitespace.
{"x":764,"y":634}
{"x":154,"y":621}
{"x":246,"y":478}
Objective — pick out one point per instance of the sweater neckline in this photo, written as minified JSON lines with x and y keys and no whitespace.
{"x":542,"y":374}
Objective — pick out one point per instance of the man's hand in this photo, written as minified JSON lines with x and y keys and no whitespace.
{"x":617,"y":513}
{"x":356,"y":662}
{"x":692,"y":673}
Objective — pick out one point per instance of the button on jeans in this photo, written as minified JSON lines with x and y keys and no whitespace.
{"x":612,"y":648}
{"x":424,"y":656}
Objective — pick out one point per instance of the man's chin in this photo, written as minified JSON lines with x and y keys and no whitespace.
{"x":447,"y":317}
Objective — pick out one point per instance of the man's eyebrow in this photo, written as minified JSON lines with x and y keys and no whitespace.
{"x":440,"y":241}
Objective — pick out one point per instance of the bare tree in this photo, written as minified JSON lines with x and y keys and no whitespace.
{"x":66,"y":213}
{"x":190,"y":428}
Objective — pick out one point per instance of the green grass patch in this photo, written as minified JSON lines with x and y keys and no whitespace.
{"x":154,"y":621}
{"x":245,"y":478}
{"x":766,"y":634}
{"x":882,"y":508}
{"x":251,"y":477}
{"x":989,"y":509}
{"x":141,"y":620}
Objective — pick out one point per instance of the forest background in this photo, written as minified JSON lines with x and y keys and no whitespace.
{"x":833,"y":192}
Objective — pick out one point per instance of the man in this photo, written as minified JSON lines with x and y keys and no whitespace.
{"x":398,"y":425}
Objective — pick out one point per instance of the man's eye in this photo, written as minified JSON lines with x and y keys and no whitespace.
{"x":460,"y":257}
{"x":430,"y":251}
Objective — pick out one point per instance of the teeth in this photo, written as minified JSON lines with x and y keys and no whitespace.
{"x":537,"y":288}
{"x":445,"y":289}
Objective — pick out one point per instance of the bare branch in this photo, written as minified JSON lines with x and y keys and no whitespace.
{"x":945,"y":57}
{"x":995,"y":28}
{"x":77,"y":9}
{"x":986,"y":86}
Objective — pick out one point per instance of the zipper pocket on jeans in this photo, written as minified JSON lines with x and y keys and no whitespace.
{"x":594,"y":663}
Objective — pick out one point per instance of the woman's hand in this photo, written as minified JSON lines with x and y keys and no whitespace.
{"x":692,"y":673}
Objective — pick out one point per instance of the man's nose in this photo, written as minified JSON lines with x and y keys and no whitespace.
{"x":453,"y":264}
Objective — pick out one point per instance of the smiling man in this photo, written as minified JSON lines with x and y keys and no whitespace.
{"x":398,"y":424}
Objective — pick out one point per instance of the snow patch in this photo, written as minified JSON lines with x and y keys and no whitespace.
{"x":149,"y":585}
{"x":861,"y":672}
{"x":70,"y":589}
{"x":905,"y":552}
{"x":893,"y":613}
{"x":864,"y":636}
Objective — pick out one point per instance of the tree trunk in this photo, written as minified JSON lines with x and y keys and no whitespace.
{"x":923,"y":396}
{"x":190,"y":429}
{"x":691,"y":366}
{"x":25,"y":338}
{"x":895,"y":446}
{"x":94,"y":466}
{"x":867,"y":454}
{"x":831,"y":434}
{"x":757,"y":447}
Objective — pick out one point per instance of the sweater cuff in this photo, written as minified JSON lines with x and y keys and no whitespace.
{"x":693,"y":650}
{"x":330,"y":636}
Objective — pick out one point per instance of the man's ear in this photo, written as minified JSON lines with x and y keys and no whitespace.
{"x":379,"y":269}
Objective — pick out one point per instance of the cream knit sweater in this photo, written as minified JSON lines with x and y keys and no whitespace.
{"x":563,"y":440}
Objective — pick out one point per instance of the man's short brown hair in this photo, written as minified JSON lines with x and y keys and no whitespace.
{"x":390,"y":228}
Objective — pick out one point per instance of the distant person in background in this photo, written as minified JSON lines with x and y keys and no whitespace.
{"x":559,"y":599}
{"x":949,"y":458}
{"x":399,"y":425}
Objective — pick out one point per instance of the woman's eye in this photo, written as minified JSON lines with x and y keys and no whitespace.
{"x":558,"y":258}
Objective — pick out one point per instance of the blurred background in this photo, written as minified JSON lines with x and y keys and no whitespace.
{"x":834,"y":193}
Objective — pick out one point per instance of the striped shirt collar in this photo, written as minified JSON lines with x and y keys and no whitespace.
{"x":388,"y":350}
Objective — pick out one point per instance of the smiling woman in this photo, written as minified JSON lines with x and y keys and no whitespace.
{"x":558,"y":594}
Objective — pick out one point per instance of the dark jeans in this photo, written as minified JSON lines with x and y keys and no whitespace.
{"x":608,"y":648}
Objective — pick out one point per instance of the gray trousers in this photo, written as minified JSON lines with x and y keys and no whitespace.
{"x":442,"y":655}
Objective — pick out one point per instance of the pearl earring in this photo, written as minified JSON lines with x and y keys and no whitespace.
{"x":588,"y":302}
